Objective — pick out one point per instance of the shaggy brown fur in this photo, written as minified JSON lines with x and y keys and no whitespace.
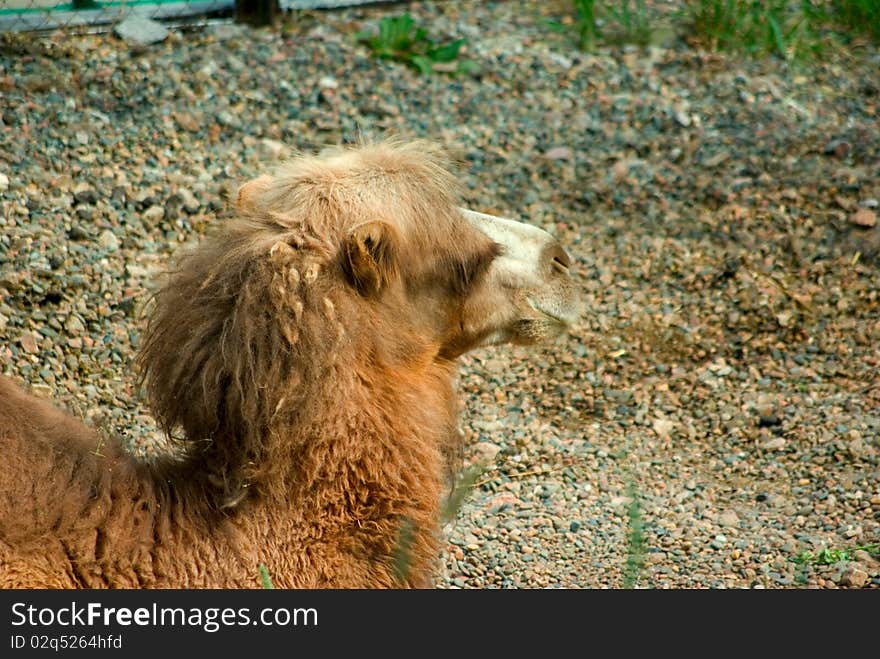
{"x":302,"y":359}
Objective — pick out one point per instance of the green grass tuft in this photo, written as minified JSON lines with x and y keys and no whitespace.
{"x":793,"y":30}
{"x":586,"y":24}
{"x":635,"y":555}
{"x":758,"y":27}
{"x":629,"y":22}
{"x":858,"y":15}
{"x":401,"y":40}
{"x":830,"y":555}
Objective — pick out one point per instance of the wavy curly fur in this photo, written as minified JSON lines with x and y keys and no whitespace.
{"x":288,"y":362}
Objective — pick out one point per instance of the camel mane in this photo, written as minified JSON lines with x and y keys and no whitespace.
{"x":244,"y":332}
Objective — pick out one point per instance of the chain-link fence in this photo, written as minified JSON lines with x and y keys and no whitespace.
{"x":27,"y":15}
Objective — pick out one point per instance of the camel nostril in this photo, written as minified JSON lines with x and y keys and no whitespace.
{"x":560,"y":261}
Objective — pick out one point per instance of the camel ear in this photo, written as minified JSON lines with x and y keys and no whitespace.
{"x":368,"y":256}
{"x":247,"y":193}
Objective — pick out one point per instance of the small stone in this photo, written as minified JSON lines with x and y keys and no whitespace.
{"x":486,"y":451}
{"x":559,"y":153}
{"x":854,"y":577}
{"x":226,"y":118}
{"x":845,"y":203}
{"x":108,"y":240}
{"x":4,"y":182}
{"x":189,"y":201}
{"x":328,"y":82}
{"x":29,"y":343}
{"x":864,"y":217}
{"x":10,"y":279}
{"x":853,"y":531}
{"x":154,"y":214}
{"x":728,"y":518}
{"x":187,"y":121}
{"x":77,"y":233}
{"x":865,"y":557}
{"x":775,"y":444}
{"x":574,"y":526}
{"x":663,"y":428}
{"x":140,"y":31}
{"x":74,"y":326}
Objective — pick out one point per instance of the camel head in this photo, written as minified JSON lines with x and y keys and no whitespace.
{"x":455,"y":277}
{"x":526,"y":296}
{"x":478,"y":280}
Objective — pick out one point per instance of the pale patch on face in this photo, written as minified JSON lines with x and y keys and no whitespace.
{"x":527,"y":295}
{"x":522,"y":244}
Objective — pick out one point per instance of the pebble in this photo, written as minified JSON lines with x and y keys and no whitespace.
{"x":141,"y":31}
{"x":728,"y":518}
{"x":29,"y":342}
{"x":864,"y":217}
{"x":74,"y":326}
{"x":154,"y":214}
{"x":719,"y":542}
{"x":226,"y":118}
{"x":774,"y":444}
{"x":559,"y":153}
{"x":78,"y":232}
{"x":854,"y":577}
{"x":108,"y":240}
{"x":486,"y":451}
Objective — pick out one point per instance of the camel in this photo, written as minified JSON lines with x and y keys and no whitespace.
{"x":302,"y":361}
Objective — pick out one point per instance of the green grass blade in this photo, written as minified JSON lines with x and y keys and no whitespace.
{"x":265,"y":579}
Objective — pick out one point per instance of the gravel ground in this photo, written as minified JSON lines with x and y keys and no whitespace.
{"x":713,"y":417}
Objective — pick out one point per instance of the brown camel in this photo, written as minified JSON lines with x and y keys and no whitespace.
{"x":302,"y":361}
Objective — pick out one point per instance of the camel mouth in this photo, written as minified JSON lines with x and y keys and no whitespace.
{"x":563,"y":318}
